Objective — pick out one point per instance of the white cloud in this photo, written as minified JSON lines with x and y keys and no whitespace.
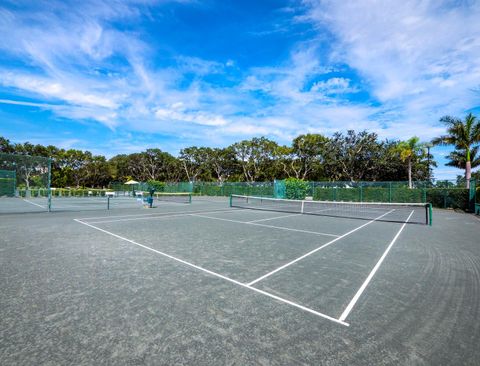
{"x":333,"y":86}
{"x":409,"y":50}
{"x":176,"y":113}
{"x":61,"y":90}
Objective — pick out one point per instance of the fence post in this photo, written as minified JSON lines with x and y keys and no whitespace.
{"x":472,"y":194}
{"x":49,"y":189}
{"x":424,"y":193}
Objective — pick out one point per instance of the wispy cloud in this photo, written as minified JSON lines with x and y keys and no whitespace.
{"x":422,"y":56}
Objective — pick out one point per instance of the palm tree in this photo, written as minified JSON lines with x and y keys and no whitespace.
{"x":458,"y":159}
{"x":409,"y":151}
{"x":464,"y":135}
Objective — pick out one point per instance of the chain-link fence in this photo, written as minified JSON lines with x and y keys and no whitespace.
{"x":27,"y":178}
{"x":442,"y":194}
{"x":24,"y":183}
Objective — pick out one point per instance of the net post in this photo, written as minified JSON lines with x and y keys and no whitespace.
{"x":49,"y":189}
{"x":108,"y":202}
{"x":303,"y":205}
{"x":190,"y":198}
{"x":231,"y":200}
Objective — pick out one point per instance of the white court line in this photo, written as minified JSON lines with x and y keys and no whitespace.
{"x":352,"y":303}
{"x":274,"y":218}
{"x":263,"y":225}
{"x":33,"y":203}
{"x":313,"y":251}
{"x":150,"y":216}
{"x":219,"y":275}
{"x":297,"y":230}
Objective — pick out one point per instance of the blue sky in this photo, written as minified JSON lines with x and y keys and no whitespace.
{"x":122,"y":76}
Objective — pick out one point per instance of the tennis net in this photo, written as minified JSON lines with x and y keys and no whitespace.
{"x":419,"y":213}
{"x":174,"y":197}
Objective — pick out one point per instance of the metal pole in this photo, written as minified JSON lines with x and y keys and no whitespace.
{"x":428,"y":163}
{"x":49,"y":190}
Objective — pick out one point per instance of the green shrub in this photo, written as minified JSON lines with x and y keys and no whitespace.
{"x":157,"y":185}
{"x":296,"y":189}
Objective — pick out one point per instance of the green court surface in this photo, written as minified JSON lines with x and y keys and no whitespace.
{"x":207,"y":284}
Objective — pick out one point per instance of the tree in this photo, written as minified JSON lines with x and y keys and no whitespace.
{"x":222,"y":162}
{"x":308,"y":151}
{"x":74,"y":162}
{"x":256,"y":157}
{"x":154,"y":164}
{"x":285,"y":158}
{"x":458,"y":159}
{"x":5,"y":146}
{"x":304,"y":158}
{"x":409,"y":152}
{"x":120,"y":167}
{"x":97,"y":171}
{"x":352,"y":157}
{"x":464,"y":135}
{"x":194,"y":160}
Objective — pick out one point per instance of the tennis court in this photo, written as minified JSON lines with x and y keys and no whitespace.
{"x":206,"y":283}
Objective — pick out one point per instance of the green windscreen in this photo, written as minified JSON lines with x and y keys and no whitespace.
{"x":7,"y":183}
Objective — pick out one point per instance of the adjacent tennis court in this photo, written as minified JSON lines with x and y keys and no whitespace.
{"x":240,"y":281}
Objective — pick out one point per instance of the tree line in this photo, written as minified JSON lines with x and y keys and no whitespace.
{"x":354,"y":156}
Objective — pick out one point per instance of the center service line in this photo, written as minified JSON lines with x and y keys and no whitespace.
{"x":314,"y":250}
{"x":352,"y":303}
{"x":304,"y":308}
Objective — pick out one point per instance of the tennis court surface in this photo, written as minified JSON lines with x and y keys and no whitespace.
{"x":208,"y":284}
